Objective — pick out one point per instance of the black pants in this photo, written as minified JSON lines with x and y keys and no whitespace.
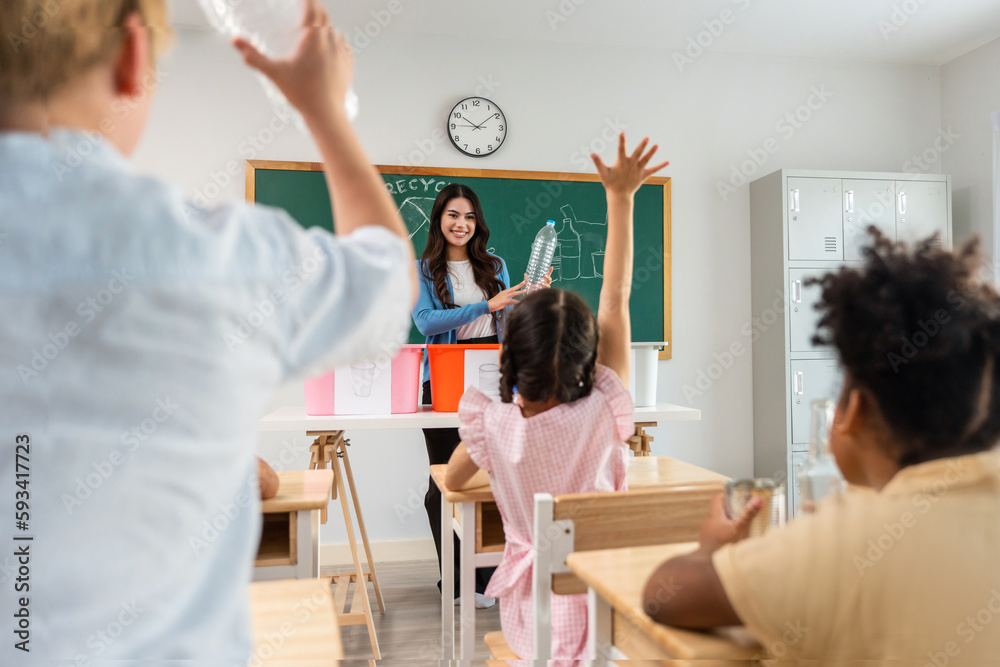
{"x":441,"y":442}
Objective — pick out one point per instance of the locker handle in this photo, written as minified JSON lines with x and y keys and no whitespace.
{"x":796,"y":291}
{"x":849,"y":201}
{"x":902,"y":203}
{"x":794,"y":199}
{"x":799,"y":390}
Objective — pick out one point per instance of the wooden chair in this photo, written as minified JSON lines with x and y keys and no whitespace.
{"x":592,"y":521}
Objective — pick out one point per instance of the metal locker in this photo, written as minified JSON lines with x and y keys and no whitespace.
{"x":815,"y":221}
{"x":798,"y":459}
{"x":802,"y":315}
{"x":866,"y":203}
{"x":812,"y":379}
{"x":922,"y":210}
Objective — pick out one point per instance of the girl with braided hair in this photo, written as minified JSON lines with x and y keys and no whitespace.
{"x":565,"y":431}
{"x":907,"y":574}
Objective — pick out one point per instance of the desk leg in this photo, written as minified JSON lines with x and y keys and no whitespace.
{"x":447,"y":581}
{"x":467,"y":586}
{"x":599,"y":636}
{"x":364,"y":532}
{"x":338,"y":476}
{"x":307,"y":536}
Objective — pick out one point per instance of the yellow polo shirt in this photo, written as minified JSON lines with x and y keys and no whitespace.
{"x":910,"y":575}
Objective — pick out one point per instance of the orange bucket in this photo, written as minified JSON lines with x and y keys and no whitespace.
{"x":448,"y":374}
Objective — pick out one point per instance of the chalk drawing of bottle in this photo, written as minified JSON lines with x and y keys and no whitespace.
{"x":569,"y":246}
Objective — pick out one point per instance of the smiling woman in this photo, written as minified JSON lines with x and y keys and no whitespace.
{"x":464,"y":292}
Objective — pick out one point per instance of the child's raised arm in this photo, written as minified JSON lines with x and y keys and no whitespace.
{"x":621,"y":181}
{"x":315,"y":80}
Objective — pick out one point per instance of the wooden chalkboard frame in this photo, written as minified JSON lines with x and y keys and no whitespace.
{"x":395,"y":170}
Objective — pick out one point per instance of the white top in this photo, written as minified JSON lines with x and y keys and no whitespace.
{"x":142,"y":338}
{"x":466,"y":292}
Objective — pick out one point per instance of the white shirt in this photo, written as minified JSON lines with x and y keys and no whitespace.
{"x":141,"y":340}
{"x":466,"y":292}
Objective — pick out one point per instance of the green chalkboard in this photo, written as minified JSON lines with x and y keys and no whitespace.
{"x":516,"y":205}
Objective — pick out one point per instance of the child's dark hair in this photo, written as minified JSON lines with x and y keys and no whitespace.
{"x":920,"y":334}
{"x":549,"y":349}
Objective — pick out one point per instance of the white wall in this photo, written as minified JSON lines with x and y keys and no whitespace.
{"x":558,"y":97}
{"x":970,"y":92}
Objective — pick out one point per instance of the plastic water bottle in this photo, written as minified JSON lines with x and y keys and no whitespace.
{"x":274,"y":27}
{"x":542,"y":251}
{"x":819,"y":477}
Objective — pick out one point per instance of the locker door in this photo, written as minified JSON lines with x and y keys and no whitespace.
{"x":798,"y":459}
{"x":811,"y":379}
{"x":815,"y":221}
{"x":866,"y":203}
{"x":802,"y":315}
{"x":921,"y":210}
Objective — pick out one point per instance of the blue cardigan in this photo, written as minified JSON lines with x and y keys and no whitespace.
{"x":439,"y":324}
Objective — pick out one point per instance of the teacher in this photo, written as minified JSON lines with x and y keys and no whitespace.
{"x":463,"y":293}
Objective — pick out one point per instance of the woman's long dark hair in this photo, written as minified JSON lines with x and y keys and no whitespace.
{"x":434,"y":261}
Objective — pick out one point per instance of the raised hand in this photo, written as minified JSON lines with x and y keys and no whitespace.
{"x":629,"y":171}
{"x":316,"y":78}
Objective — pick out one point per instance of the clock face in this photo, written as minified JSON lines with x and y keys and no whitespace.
{"x":477,"y":127}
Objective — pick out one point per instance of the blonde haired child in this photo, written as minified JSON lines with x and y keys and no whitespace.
{"x":131,"y":382}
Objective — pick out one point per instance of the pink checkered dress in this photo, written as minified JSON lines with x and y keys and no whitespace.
{"x":575,"y":447}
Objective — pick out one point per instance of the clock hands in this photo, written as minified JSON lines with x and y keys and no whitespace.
{"x":474,"y":125}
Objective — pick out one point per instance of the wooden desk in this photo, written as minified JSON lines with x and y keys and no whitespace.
{"x":289,"y":539}
{"x":294,"y":624}
{"x":616,"y":579}
{"x":473,"y":516}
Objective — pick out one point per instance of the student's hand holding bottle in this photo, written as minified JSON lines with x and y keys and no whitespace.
{"x":316,"y":77}
{"x":718,"y":530}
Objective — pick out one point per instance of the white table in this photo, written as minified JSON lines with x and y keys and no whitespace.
{"x":296,"y":419}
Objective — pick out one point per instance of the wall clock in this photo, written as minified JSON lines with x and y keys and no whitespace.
{"x":477,"y":127}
